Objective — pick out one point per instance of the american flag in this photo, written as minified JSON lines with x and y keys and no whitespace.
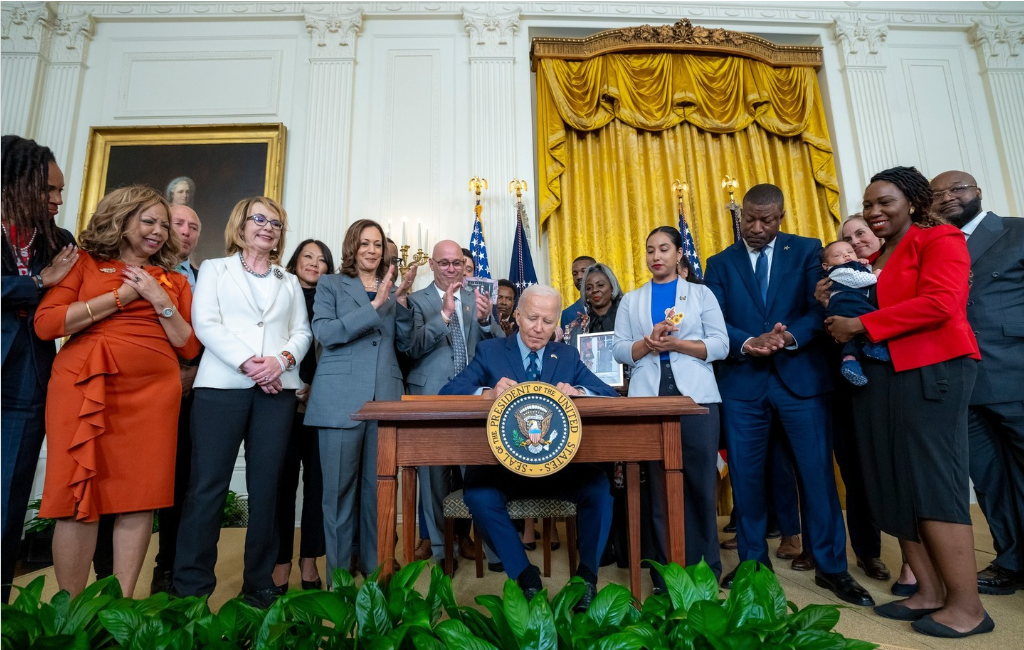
{"x":689,"y":248}
{"x":521,"y":272}
{"x":478,"y":248}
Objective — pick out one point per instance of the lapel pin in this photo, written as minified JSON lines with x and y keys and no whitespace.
{"x":554,"y":356}
{"x":786,"y":247}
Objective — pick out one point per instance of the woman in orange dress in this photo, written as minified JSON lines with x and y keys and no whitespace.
{"x":112,"y":410}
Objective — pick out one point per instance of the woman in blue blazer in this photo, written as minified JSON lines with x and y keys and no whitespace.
{"x":668,"y":332}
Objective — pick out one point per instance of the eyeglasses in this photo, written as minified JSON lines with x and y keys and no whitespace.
{"x":262,"y":220}
{"x":444,"y":264}
{"x":956,"y":190}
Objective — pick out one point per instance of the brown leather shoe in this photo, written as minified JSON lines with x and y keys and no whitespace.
{"x":467,"y":548}
{"x":789,"y":549}
{"x":730,"y":544}
{"x":423,"y":550}
{"x":874,"y":568}
{"x":804,"y":562}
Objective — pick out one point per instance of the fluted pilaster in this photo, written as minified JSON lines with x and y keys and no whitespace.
{"x":25,"y":36}
{"x":999,"y":49}
{"x":326,"y":182}
{"x":861,"y":48}
{"x":492,"y":137}
{"x":59,"y":115}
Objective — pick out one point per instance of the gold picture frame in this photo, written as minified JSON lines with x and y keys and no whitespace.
{"x":239,"y":160}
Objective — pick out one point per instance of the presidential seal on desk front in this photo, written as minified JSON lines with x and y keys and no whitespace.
{"x":534,"y":429}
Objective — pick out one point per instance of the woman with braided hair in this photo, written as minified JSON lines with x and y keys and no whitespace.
{"x":911,"y":417}
{"x":36,"y":256}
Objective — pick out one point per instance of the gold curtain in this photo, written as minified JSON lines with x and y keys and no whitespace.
{"x":615,"y":130}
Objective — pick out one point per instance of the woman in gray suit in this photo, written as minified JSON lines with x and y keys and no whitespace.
{"x":354,"y":319}
{"x":669,"y":331}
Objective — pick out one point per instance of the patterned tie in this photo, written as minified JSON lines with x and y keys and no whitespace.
{"x":761,"y":274}
{"x":458,"y":343}
{"x":532,"y":371}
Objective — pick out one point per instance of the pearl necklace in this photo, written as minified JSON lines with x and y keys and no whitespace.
{"x":246,"y":267}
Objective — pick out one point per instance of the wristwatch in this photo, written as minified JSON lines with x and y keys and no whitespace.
{"x":166,"y":312}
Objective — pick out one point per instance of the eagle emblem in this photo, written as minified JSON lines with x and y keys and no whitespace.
{"x":534,"y":420}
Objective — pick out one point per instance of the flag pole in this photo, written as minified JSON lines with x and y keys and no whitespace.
{"x":729,"y":184}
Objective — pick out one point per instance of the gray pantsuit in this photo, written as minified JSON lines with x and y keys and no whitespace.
{"x":350,"y":493}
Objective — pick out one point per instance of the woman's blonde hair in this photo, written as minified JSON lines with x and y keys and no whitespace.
{"x":106,"y":232}
{"x":234,"y":232}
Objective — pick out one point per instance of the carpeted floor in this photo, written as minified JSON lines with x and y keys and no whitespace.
{"x":860,"y":623}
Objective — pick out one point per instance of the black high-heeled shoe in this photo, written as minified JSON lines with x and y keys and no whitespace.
{"x":315,"y":585}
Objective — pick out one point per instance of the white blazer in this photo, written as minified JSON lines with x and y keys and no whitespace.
{"x":702,"y":320}
{"x":226,"y":320}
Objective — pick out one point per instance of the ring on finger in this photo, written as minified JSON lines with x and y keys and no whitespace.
{"x":136,"y":278}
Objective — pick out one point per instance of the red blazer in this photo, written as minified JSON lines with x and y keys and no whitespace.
{"x":922,"y":299}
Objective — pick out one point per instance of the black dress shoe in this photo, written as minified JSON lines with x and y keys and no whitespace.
{"x":280,"y":590}
{"x":874,"y":568}
{"x":315,"y":585}
{"x":530,"y":546}
{"x":804,"y":562}
{"x":727,"y":579}
{"x":496,"y":567}
{"x":163,"y":580}
{"x":773,"y":534}
{"x":587,"y":598}
{"x":730,"y":527}
{"x":903,"y":590}
{"x":262,"y":598}
{"x":844,"y":587}
{"x":997,"y":581}
{"x":897,"y":611}
{"x":530,"y":593}
{"x":931,"y":627}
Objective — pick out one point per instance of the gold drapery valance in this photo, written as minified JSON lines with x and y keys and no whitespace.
{"x":659,"y":91}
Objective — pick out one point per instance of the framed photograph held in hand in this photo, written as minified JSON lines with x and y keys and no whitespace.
{"x":596,"y":351}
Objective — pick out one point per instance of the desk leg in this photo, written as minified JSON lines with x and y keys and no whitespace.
{"x":633,"y":515}
{"x":408,"y":513}
{"x":673,"y":462}
{"x":387,"y":493}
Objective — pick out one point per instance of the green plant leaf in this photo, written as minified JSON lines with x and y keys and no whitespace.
{"x":540,"y":626}
{"x":704,"y":580}
{"x":517,"y":610}
{"x":815,"y":617}
{"x":78,"y":641}
{"x":561,"y":608}
{"x":818,"y":640}
{"x":652,"y":639}
{"x":437,"y":576}
{"x":29,"y":597}
{"x":709,"y":618}
{"x":481,"y":626}
{"x":854,"y":644}
{"x":456,"y":635}
{"x":342,"y":578}
{"x":372,"y":611}
{"x":618,"y":641}
{"x":496,"y":608}
{"x":407,"y":576}
{"x":610,"y":606}
{"x":19,"y":628}
{"x":424,"y":641}
{"x":121,"y":622}
{"x":681,"y":590}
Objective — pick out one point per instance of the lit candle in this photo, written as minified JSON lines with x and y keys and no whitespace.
{"x":405,"y":235}
{"x":419,"y":234}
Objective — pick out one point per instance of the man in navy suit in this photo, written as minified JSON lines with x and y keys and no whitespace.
{"x":573,"y":311}
{"x":995,"y":425}
{"x":776,"y":369}
{"x":500,"y":364}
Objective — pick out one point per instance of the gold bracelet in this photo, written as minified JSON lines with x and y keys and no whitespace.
{"x":89,"y":309}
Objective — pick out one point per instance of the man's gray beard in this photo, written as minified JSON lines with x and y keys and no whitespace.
{"x":970,"y":210}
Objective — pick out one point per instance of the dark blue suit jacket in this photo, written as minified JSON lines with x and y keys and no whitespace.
{"x":795,"y":271}
{"x":497,"y":358}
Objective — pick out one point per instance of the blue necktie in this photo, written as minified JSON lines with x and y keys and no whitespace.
{"x":532,"y":371}
{"x":761,"y":274}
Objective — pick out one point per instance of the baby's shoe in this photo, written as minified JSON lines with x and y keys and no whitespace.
{"x":853,"y":373}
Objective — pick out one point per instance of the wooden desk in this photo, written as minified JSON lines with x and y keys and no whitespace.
{"x":450,"y":431}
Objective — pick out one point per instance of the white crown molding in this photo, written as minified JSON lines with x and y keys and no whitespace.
{"x":491,"y":33}
{"x":333,"y":35}
{"x":71,"y":36}
{"x":861,"y":44}
{"x":999,"y":45}
{"x":958,"y":15}
{"x":25,"y":28}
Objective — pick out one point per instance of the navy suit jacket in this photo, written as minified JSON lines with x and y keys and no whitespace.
{"x":795,"y":271}
{"x":995,"y":308}
{"x":497,"y":358}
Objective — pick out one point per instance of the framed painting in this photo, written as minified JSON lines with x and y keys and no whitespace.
{"x":209,"y":167}
{"x":596,"y":352}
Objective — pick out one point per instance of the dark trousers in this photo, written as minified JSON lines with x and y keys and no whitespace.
{"x":23,"y":430}
{"x":221,"y":420}
{"x":304,"y":450}
{"x":807,"y":424}
{"x":996,"y":438}
{"x":784,"y":503}
{"x":488,"y":490}
{"x":865,"y":537}
{"x":700,"y":475}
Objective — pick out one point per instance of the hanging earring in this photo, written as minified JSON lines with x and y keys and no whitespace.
{"x":911,"y":210}
{"x":275,"y":249}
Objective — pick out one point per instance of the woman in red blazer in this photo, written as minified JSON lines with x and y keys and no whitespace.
{"x":911,"y":417}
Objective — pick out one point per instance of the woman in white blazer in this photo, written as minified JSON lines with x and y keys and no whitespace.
{"x":669,"y":331}
{"x":251,"y":316}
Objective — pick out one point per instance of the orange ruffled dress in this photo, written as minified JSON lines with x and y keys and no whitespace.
{"x":114,"y":396}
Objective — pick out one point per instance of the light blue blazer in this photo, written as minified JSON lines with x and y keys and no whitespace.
{"x":702,"y":319}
